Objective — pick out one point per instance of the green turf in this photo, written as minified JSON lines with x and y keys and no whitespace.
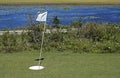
{"x":52,"y":1}
{"x":60,"y":65}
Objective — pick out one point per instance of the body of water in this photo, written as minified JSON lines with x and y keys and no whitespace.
{"x":22,"y":15}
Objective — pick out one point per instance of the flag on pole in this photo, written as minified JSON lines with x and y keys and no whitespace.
{"x":42,"y":17}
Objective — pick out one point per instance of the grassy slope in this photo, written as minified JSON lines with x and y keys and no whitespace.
{"x":54,"y":1}
{"x":60,"y":65}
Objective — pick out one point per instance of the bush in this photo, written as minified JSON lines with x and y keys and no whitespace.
{"x":8,"y":42}
{"x":93,"y":38}
{"x":107,"y":47}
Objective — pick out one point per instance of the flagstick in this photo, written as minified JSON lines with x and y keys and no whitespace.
{"x":43,"y":34}
{"x":41,"y":17}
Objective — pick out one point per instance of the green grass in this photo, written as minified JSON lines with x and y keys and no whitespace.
{"x":60,"y":65}
{"x":54,"y":1}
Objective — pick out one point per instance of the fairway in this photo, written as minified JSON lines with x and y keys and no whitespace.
{"x":60,"y":65}
{"x":59,"y":1}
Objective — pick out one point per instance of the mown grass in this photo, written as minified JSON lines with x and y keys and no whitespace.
{"x":54,"y":1}
{"x":60,"y":65}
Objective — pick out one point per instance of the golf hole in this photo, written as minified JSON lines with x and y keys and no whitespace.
{"x":36,"y":67}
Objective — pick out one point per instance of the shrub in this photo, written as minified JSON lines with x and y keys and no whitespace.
{"x":8,"y":42}
{"x":92,"y":38}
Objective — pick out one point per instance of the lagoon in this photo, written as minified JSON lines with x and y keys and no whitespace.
{"x":12,"y":16}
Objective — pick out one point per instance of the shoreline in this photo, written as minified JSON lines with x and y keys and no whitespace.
{"x":60,"y":3}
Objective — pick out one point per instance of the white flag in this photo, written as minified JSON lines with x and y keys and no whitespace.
{"x":42,"y":17}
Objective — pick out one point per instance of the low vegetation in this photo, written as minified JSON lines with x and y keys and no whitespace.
{"x":90,"y":37}
{"x":59,"y":1}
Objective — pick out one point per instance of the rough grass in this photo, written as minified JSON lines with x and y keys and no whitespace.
{"x":60,"y":65}
{"x":60,"y":1}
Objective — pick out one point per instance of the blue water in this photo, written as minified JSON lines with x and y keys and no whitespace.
{"x":23,"y":15}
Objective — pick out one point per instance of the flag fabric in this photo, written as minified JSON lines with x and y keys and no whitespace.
{"x":42,"y":17}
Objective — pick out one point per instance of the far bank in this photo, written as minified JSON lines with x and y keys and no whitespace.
{"x":59,"y":3}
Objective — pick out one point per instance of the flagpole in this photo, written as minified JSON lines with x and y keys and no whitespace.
{"x":41,"y":18}
{"x":41,"y":46}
